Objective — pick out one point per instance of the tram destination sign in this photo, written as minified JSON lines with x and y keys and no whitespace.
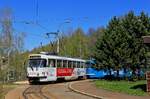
{"x":148,"y":81}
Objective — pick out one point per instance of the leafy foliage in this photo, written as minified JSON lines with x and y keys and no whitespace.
{"x":11,"y":44}
{"x":122,"y":42}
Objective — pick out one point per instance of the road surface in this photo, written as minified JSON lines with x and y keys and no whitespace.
{"x":45,"y":91}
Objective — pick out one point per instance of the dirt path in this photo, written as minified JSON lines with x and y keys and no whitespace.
{"x":16,"y":93}
{"x":52,"y":91}
{"x":61,"y":91}
{"x":89,"y":87}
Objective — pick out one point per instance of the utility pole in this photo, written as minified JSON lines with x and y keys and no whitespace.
{"x":57,"y":41}
{"x":57,"y":36}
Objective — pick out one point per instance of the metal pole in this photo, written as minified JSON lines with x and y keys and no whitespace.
{"x":57,"y":42}
{"x":59,"y":33}
{"x":57,"y":37}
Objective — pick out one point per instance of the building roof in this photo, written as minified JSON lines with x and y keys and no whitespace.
{"x":146,"y":39}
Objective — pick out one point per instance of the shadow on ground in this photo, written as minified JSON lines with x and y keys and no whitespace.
{"x":53,"y":82}
{"x":140,"y":86}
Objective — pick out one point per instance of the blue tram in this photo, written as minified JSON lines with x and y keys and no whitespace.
{"x":101,"y":73}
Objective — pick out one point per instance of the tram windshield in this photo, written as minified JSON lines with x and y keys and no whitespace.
{"x":37,"y":62}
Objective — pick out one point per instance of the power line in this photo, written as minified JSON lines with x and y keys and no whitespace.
{"x":32,"y":35}
{"x":37,"y":10}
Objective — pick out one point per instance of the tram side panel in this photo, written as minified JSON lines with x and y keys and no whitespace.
{"x":70,"y":73}
{"x":51,"y":74}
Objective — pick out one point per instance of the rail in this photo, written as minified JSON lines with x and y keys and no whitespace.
{"x":35,"y":90}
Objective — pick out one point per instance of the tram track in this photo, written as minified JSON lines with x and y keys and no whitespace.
{"x":53,"y":91}
{"x":34,"y":92}
{"x":63,"y":91}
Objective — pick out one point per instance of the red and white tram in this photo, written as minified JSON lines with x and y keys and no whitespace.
{"x":43,"y":67}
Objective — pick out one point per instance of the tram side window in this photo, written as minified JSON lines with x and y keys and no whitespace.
{"x":74,"y":64}
{"x":59,"y":63}
{"x":69,"y":64}
{"x":78,"y":64}
{"x":51,"y":63}
{"x":83,"y":64}
{"x":65,"y":63}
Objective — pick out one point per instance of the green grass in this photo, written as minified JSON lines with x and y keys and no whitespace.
{"x":5,"y":88}
{"x":137,"y":88}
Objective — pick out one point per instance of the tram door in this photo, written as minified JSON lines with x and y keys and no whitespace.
{"x":52,"y":64}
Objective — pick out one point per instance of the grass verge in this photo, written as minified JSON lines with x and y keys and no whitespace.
{"x":137,"y":88}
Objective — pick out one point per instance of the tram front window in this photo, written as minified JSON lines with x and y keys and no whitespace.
{"x":37,"y":63}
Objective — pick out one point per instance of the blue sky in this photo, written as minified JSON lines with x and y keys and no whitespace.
{"x":52,"y":13}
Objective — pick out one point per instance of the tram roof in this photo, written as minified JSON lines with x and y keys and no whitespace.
{"x":57,"y":57}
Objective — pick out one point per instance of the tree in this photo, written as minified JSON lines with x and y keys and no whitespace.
{"x":108,"y":52}
{"x":11,"y":45}
{"x":121,"y":42}
{"x":136,"y":27}
{"x":92,"y":37}
{"x":74,"y":45}
{"x":19,"y":42}
{"x":7,"y":30}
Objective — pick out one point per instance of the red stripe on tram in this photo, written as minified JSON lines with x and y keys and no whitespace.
{"x":64,"y":71}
